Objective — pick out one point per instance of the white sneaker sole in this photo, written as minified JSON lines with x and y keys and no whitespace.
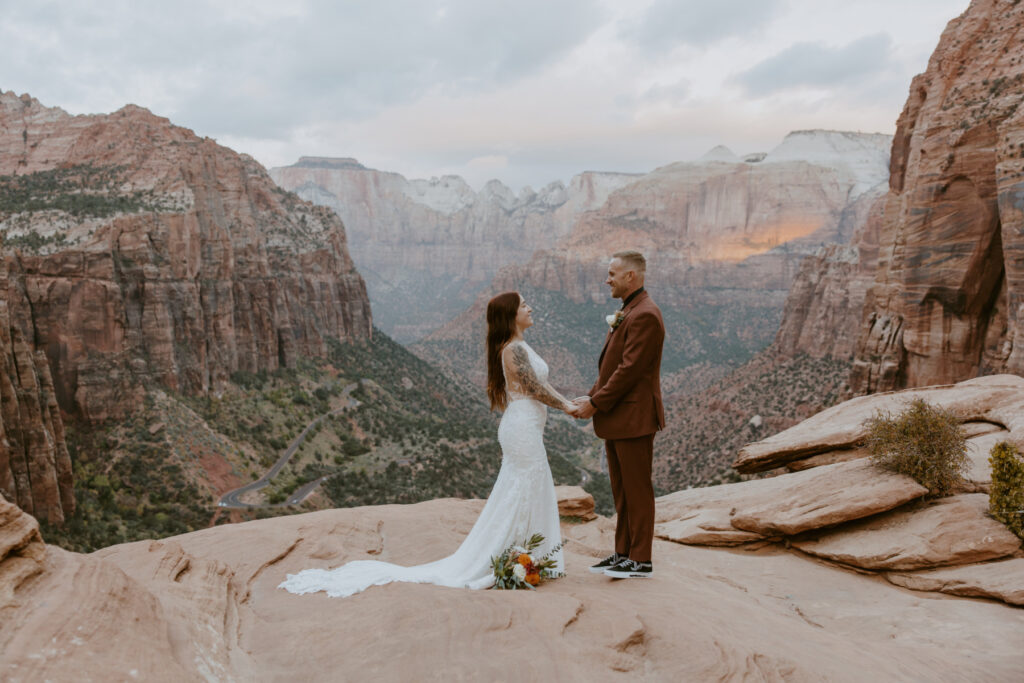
{"x":598,"y":570}
{"x":628,"y":575}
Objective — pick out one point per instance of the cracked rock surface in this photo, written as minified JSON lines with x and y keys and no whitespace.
{"x":205,"y":606}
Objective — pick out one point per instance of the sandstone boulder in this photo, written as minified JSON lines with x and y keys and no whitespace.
{"x":22,"y":552}
{"x":998,"y":580}
{"x":826,"y":496}
{"x":83,"y":619}
{"x":704,"y":516}
{"x":573,"y":501}
{"x":947,"y":531}
{"x":731,"y":514}
{"x":995,"y":399}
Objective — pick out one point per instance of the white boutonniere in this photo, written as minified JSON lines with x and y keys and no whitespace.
{"x":615,"y":319}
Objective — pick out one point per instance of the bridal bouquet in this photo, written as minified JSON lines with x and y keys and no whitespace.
{"x":517,"y":568}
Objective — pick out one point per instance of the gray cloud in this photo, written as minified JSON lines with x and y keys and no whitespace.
{"x":669,"y":23}
{"x":818,"y":65}
{"x":264,"y":70}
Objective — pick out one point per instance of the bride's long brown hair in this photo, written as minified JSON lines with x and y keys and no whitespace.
{"x":501,"y":325}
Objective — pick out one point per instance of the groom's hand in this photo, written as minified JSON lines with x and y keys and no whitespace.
{"x":584,"y":408}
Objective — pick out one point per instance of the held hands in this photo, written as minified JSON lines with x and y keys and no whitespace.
{"x":582,"y":408}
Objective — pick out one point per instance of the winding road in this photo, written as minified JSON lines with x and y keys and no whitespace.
{"x":233,"y":499}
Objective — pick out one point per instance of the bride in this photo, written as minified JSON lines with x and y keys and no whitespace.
{"x":522,"y":501}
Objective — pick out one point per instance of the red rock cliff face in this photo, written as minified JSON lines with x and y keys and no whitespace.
{"x":141,"y":253}
{"x":825,"y":302}
{"x":35,"y":467}
{"x":948,"y":301}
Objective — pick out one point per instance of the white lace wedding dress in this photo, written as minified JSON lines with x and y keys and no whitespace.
{"x":521,"y":504}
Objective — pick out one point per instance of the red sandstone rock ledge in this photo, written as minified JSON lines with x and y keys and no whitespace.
{"x":205,"y":606}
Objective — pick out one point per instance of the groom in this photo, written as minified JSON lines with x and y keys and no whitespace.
{"x":625,"y":403}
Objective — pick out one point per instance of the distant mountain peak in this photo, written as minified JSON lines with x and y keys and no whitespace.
{"x":720,"y":153}
{"x":865,"y":155}
{"x":338,"y":163}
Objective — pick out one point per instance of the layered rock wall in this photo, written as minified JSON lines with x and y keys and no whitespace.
{"x":428,"y":246}
{"x":947,"y":301}
{"x":442,"y":226}
{"x":136,"y":253}
{"x":721,"y":224}
{"x":35,"y":467}
{"x":826,"y":299}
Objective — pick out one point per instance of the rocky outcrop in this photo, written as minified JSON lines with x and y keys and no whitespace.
{"x":573,"y":501}
{"x":841,"y":507}
{"x":949,"y":531}
{"x":428,"y":246}
{"x":997,"y":580}
{"x":998,"y":399}
{"x":22,"y":552}
{"x":783,"y":506}
{"x":826,"y":496}
{"x":205,"y":606}
{"x":147,"y":255}
{"x":946,"y":302}
{"x":65,"y":616}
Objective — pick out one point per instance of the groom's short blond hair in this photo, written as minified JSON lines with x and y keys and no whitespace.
{"x":633,"y":260}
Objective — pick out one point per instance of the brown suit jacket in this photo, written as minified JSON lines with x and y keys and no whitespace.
{"x":628,"y":388}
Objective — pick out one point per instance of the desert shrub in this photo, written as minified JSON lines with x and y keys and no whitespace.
{"x":924,"y":442}
{"x":1006,"y":497}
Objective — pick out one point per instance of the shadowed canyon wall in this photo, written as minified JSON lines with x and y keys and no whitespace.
{"x":946,"y":304}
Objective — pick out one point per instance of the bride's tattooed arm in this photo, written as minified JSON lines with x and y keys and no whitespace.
{"x":526,"y":380}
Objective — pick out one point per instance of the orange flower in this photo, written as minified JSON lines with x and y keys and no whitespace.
{"x":525,"y":560}
{"x":533,"y":578}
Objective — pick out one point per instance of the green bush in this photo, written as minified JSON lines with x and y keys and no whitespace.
{"x":1006,"y":498}
{"x":924,"y":442}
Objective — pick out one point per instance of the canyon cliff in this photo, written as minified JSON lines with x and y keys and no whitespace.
{"x":946,"y":302}
{"x":35,"y":466}
{"x":138,"y":254}
{"x":725,"y":240}
{"x":925,"y":291}
{"x":824,"y":304}
{"x":427,"y":247}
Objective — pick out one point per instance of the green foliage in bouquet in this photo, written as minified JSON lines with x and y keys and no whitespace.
{"x":1006,"y":498}
{"x":517,"y":568}
{"x":924,"y":442}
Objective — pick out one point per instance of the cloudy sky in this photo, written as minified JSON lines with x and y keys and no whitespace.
{"x":527,"y":92}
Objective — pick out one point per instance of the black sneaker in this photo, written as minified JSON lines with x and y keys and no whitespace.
{"x":628,"y":569}
{"x":606,"y":563}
